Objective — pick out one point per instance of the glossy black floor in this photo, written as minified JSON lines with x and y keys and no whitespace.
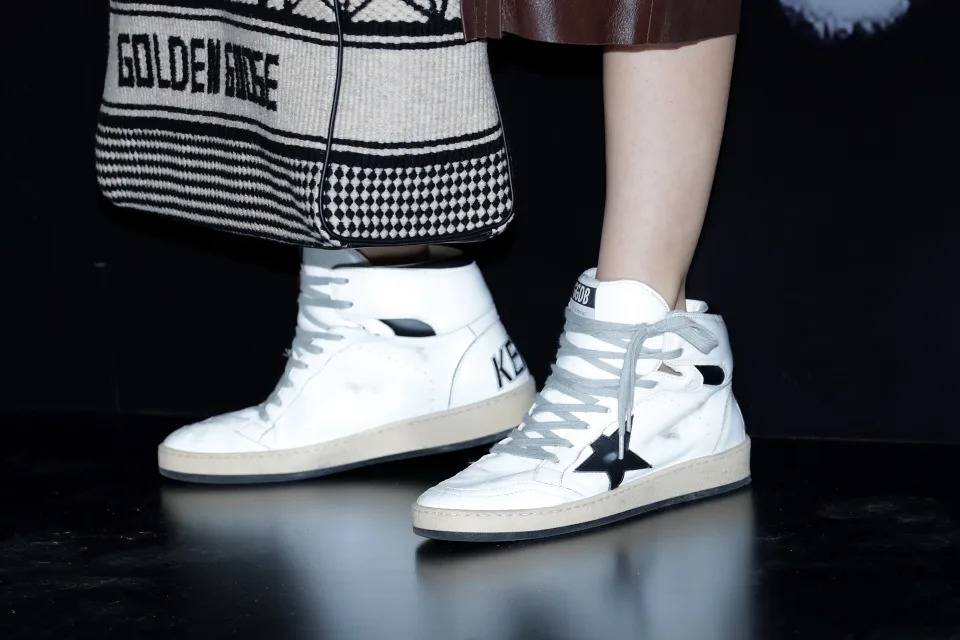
{"x":832,"y":540}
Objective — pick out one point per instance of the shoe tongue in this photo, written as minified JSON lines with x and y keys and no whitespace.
{"x":322,"y":263}
{"x":318,"y":261}
{"x":622,"y":301}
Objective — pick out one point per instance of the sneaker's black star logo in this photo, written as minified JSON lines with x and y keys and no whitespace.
{"x":604,"y":458}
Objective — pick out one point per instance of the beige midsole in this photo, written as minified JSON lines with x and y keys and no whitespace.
{"x":700,"y":474}
{"x":444,"y":428}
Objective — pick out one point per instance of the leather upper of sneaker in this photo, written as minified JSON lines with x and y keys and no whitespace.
{"x":359,"y":373}
{"x":678,"y":418}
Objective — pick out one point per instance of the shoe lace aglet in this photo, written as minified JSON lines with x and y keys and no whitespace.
{"x":624,"y":428}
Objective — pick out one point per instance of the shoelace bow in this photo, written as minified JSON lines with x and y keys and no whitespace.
{"x":304,"y":341}
{"x":530,"y":440}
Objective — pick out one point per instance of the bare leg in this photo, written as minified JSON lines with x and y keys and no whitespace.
{"x":665,"y":109}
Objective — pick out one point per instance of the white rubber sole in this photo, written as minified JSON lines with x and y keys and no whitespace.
{"x":470,"y":425}
{"x":683,"y":482}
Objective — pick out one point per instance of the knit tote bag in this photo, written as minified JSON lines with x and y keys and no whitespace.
{"x":327,"y":123}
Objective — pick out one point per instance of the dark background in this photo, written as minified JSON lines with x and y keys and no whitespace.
{"x":827,"y":246}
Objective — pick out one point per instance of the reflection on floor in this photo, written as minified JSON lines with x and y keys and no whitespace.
{"x":832,"y":540}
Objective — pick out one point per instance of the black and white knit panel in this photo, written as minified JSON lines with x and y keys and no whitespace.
{"x":221,"y":112}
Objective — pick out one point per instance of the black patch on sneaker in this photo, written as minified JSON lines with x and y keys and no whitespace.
{"x":584,"y":295}
{"x":409,"y":328}
{"x":604,"y":458}
{"x":713,"y":375}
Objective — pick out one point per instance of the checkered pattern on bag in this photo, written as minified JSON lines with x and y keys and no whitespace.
{"x":415,"y":202}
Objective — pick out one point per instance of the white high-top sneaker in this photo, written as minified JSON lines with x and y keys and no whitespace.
{"x":604,"y":441}
{"x":387,"y":363}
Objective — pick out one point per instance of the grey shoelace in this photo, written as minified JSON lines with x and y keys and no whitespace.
{"x":531,"y":440}
{"x":304,"y":341}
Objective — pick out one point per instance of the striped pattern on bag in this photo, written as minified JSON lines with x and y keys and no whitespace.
{"x":218,"y":112}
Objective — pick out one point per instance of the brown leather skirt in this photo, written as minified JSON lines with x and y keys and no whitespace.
{"x":617,"y":22}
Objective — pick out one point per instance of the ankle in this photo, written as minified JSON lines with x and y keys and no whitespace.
{"x":681,"y":303}
{"x":673,"y":293}
{"x":396,"y":255}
